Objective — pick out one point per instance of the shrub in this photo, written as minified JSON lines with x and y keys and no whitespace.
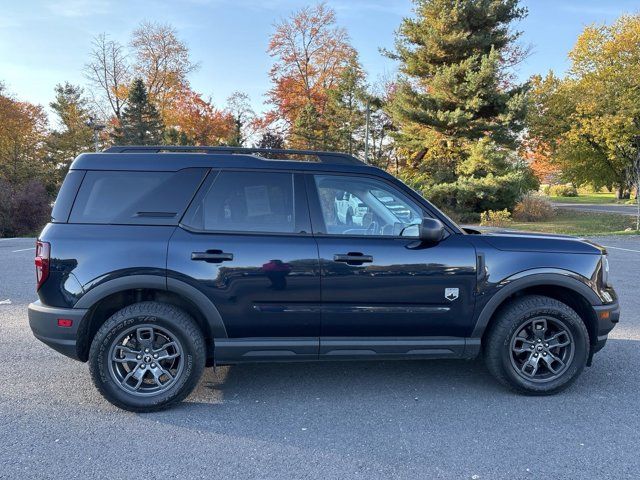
{"x":544,"y":188}
{"x":24,"y":209}
{"x":495,"y":218}
{"x":567,"y":190}
{"x":533,"y":208}
{"x":469,"y":195}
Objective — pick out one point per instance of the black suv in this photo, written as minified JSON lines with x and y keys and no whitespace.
{"x":159,"y":261}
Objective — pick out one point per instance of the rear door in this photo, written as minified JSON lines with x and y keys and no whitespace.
{"x":246,"y":243}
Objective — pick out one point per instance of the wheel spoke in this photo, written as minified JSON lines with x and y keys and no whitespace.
{"x":554,"y":364}
{"x":168,"y":351}
{"x":522,"y":345}
{"x":144,"y":336}
{"x":158,"y":372}
{"x":530,"y":366}
{"x":122,"y":354}
{"x":136,"y":373}
{"x":539,"y":328}
{"x":560,"y":339}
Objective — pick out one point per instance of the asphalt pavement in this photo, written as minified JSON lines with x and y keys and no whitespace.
{"x":377,"y":420}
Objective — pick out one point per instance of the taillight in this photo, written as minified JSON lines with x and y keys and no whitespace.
{"x":43,"y":252}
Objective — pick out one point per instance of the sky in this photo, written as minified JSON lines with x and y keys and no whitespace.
{"x":45,"y":42}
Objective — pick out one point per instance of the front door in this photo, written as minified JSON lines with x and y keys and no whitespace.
{"x":246,"y":243}
{"x":377,"y":280}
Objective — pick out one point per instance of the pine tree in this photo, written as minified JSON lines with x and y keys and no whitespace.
{"x":455,"y":85}
{"x":73,"y":136}
{"x":140,"y":123}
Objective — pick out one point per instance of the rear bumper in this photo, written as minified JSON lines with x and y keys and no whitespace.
{"x":608,"y":316}
{"x":43,"y":321}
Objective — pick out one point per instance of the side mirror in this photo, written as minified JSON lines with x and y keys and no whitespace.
{"x":431,"y":230}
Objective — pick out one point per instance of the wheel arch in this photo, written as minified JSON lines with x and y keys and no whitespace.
{"x":562,"y":286}
{"x":109,"y":297}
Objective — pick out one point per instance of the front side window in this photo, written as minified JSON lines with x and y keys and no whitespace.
{"x":365,"y":206}
{"x":246,"y":202}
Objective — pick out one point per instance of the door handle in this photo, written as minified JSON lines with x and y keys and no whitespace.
{"x":212,"y":256}
{"x":353,"y":258}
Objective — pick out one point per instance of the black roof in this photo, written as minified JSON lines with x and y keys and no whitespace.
{"x":170,"y":158}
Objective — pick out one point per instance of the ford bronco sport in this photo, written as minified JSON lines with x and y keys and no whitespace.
{"x":159,"y":261}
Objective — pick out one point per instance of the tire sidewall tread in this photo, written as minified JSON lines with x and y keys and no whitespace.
{"x":166,"y":316}
{"x":497,"y":347}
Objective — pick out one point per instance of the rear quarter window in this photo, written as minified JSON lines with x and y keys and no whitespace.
{"x":66,"y":196}
{"x":135,"y":198}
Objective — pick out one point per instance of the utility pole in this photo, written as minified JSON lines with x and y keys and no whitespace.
{"x":96,"y":127}
{"x":366,"y":134}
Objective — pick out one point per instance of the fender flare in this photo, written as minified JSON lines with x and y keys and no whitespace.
{"x":531,"y":278}
{"x":157,"y":282}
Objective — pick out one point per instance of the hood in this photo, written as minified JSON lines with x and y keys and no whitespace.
{"x":539,"y":242}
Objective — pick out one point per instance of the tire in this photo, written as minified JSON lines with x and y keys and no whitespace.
{"x":137,"y":338}
{"x":517,"y":355}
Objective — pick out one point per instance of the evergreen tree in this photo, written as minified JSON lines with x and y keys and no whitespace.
{"x":345,"y":113}
{"x":456,"y":107}
{"x":73,"y":135}
{"x":455,"y":86}
{"x":140,"y":123}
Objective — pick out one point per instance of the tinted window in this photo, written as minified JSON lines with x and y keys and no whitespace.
{"x":365,"y":206}
{"x":133,"y":198}
{"x":246,"y":202}
{"x":64,"y":200}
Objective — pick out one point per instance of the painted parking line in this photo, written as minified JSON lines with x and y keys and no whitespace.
{"x":624,"y":249}
{"x":23,"y":250}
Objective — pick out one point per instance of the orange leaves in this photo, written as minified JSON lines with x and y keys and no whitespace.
{"x":200,"y":121}
{"x":311,"y":53}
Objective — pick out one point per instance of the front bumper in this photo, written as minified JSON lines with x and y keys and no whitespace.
{"x":608,"y":316}
{"x":43,"y":321}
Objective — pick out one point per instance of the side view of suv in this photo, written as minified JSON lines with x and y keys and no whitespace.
{"x":159,"y":261}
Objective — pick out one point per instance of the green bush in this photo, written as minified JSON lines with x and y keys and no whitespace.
{"x":469,"y":195}
{"x":567,"y":190}
{"x":544,"y":188}
{"x":495,"y":218}
{"x":533,"y":208}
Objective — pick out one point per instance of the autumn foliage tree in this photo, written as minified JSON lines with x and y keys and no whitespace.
{"x":311,"y":54}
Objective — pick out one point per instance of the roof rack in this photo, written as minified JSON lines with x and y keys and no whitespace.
{"x":323,"y":157}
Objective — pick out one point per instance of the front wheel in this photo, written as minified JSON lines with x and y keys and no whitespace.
{"x":537,"y":345}
{"x":146,"y":357}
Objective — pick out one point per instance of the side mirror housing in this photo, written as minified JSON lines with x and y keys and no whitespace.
{"x":431,"y":230}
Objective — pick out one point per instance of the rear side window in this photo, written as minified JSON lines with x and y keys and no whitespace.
{"x":246,"y":202}
{"x":64,"y":201}
{"x":135,"y":198}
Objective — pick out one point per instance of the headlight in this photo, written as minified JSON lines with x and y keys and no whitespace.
{"x":605,"y":271}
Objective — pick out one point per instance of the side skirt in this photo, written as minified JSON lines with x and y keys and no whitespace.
{"x":248,"y":350}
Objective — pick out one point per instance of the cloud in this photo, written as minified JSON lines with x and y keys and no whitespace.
{"x":79,"y":8}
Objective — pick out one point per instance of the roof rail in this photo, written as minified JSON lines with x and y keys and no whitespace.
{"x":323,"y":157}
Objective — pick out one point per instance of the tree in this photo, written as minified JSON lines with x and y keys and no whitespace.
{"x":455,"y":84}
{"x":344,"y":119}
{"x":140,"y":123}
{"x":23,"y":131}
{"x":455,"y":105}
{"x":73,"y":136}
{"x":311,"y":53}
{"x":162,"y":61}
{"x":244,"y":118}
{"x":197,"y":122}
{"x":109,"y":72}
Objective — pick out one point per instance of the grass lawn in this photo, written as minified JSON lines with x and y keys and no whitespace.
{"x":572,"y":222}
{"x":599,"y":198}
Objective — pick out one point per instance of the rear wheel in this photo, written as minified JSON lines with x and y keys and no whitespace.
{"x":147,"y":357}
{"x":537,"y":345}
